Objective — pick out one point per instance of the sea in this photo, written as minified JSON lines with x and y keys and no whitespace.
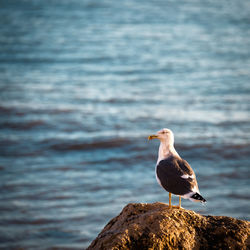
{"x":83,"y":83}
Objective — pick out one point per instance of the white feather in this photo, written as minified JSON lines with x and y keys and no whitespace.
{"x":186,"y":176}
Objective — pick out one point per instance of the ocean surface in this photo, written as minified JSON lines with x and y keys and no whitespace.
{"x":83,"y":84}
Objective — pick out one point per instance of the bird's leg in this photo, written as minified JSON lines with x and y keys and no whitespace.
{"x":169,"y":200}
{"x":179,"y":202}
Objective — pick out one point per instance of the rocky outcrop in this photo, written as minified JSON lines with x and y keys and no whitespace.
{"x":155,"y":226}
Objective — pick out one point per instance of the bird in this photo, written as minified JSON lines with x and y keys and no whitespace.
{"x":173,"y":173}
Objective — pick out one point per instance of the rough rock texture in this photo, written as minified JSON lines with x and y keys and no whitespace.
{"x":155,"y":226}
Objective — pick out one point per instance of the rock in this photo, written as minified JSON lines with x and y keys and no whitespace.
{"x":155,"y":226}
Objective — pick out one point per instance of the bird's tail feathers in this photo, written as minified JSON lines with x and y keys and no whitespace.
{"x":197,"y":197}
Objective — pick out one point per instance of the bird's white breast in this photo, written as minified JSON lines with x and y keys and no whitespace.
{"x":158,"y":180}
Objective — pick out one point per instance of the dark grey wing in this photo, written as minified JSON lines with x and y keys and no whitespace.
{"x":185,"y":167}
{"x":169,"y":172}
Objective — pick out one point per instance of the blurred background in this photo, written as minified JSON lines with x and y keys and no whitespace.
{"x":82,"y":85}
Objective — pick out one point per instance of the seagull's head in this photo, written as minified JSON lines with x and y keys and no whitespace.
{"x":164,"y":135}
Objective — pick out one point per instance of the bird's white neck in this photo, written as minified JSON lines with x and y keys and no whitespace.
{"x":166,"y":149}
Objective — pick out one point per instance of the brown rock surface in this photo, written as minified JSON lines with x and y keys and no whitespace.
{"x":155,"y":226}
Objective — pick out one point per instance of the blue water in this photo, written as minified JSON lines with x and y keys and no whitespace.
{"x":82,"y":85}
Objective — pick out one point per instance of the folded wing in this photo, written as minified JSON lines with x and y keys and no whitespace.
{"x":176,"y":176}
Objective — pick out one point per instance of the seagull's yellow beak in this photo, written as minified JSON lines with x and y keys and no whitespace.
{"x":151,"y":137}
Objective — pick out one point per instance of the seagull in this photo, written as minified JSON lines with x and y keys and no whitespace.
{"x":173,"y":173}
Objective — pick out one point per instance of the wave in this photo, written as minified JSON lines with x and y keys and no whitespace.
{"x":22,"y":125}
{"x":244,"y":196}
{"x":72,"y":145}
{"x":54,"y":60}
{"x":28,"y":110}
{"x":29,"y":222}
